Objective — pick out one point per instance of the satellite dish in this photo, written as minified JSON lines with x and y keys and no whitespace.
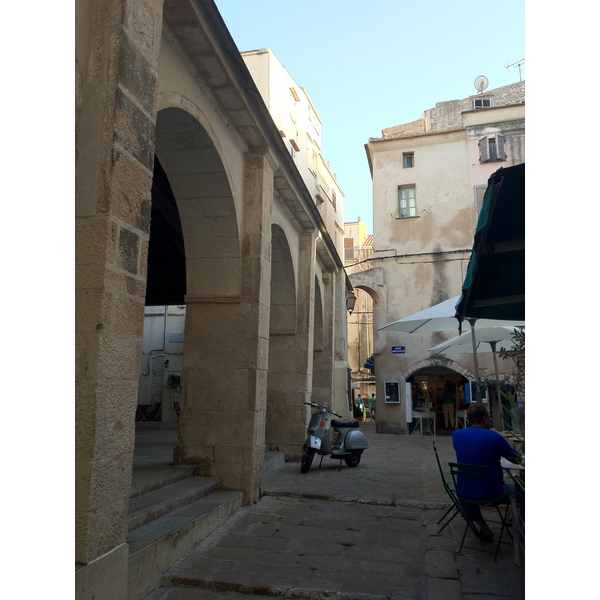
{"x":481,"y":83}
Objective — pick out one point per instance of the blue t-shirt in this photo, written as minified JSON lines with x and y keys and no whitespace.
{"x":479,"y":446}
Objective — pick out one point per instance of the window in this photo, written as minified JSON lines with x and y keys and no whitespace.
{"x":349,"y":249}
{"x":408,"y":160}
{"x":492,"y":148}
{"x":407,"y":201}
{"x":481,"y":103}
{"x":479,"y":194}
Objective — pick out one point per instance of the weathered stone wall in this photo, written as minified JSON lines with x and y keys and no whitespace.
{"x":448,"y":115}
{"x":224,"y":160}
{"x":116,"y":77}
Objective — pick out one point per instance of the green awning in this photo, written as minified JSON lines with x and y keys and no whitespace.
{"x":494,"y":286}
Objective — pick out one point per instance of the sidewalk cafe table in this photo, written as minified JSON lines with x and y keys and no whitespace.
{"x":421,"y":416}
{"x":518,"y":520}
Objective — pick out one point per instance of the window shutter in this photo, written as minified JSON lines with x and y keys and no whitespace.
{"x":484,"y":151}
{"x":479,"y":195}
{"x":501,"y":147}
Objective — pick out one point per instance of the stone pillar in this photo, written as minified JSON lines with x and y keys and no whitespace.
{"x":290,"y":364}
{"x":221,"y":426}
{"x":339,"y":318}
{"x":114,"y":150}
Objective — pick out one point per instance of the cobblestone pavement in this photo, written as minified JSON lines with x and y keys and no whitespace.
{"x":367,"y":532}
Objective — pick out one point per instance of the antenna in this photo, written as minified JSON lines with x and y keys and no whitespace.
{"x":481,"y":83}
{"x":515,"y":64}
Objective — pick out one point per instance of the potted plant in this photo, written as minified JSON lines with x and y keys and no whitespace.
{"x":174,"y":382}
{"x":359,"y":412}
{"x":174,"y":385}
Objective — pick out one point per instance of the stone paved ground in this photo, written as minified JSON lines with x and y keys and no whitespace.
{"x":368,"y":532}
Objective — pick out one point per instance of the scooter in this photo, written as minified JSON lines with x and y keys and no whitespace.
{"x":340,"y":439}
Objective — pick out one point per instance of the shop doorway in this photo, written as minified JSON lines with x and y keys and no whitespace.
{"x":442,"y":391}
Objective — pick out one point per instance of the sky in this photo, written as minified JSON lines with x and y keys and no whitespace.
{"x":369,"y":65}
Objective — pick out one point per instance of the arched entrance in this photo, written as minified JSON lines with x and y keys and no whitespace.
{"x":428,"y":380}
{"x":201,"y":269}
{"x":282,"y":335}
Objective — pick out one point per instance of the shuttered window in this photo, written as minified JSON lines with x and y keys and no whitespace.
{"x":492,"y":148}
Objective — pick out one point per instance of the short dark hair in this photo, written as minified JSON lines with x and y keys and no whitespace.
{"x":477,"y":413}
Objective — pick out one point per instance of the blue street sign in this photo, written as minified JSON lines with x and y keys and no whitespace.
{"x":398,"y":349}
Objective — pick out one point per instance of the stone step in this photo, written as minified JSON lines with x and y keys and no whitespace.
{"x":151,"y":477}
{"x":157,"y":545}
{"x":160,"y":501}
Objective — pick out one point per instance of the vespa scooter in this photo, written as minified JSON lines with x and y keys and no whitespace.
{"x":340,"y":439}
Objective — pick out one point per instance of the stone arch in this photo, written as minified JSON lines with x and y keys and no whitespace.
{"x":361,"y":335}
{"x":282,"y":339}
{"x":198,"y":178}
{"x":368,"y":289}
{"x":283,"y":285}
{"x":437,"y":362}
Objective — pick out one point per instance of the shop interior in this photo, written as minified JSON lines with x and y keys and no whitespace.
{"x":428,"y":391}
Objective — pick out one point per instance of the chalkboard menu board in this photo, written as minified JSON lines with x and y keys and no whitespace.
{"x":392,"y":391}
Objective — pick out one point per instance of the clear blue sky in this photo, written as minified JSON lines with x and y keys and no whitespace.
{"x":372,"y":64}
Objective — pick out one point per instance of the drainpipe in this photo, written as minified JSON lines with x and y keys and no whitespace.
{"x":157,"y":350}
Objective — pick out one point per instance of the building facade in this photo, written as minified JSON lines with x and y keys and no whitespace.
{"x":429,"y":177}
{"x":300,"y":128}
{"x":187,"y":197}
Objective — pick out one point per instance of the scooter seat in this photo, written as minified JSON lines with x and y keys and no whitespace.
{"x":351,"y":423}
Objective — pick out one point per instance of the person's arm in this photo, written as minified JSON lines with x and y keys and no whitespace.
{"x":510,"y":452}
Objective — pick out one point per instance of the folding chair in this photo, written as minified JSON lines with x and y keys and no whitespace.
{"x":155,"y":413}
{"x":450,"y":492}
{"x":468,"y":504}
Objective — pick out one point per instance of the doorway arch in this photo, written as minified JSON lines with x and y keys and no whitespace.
{"x":428,"y":378}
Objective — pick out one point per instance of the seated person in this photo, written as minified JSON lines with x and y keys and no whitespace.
{"x":478,"y":445}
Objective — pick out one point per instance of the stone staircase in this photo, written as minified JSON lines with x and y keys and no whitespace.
{"x":171,"y":509}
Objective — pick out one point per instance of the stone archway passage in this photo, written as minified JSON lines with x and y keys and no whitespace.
{"x":166,"y":280}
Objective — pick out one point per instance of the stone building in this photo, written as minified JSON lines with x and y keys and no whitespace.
{"x":358,"y":252}
{"x":300,"y":127}
{"x":186,"y":195}
{"x":429,"y":177}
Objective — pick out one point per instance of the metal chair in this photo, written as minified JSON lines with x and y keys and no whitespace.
{"x":467,"y":505}
{"x":451,"y":494}
{"x":155,"y":413}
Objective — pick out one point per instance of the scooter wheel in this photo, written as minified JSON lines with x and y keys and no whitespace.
{"x":353,"y":460}
{"x":307,"y":458}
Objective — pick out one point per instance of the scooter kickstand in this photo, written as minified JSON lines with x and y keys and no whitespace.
{"x":322,"y":455}
{"x":340,"y":467}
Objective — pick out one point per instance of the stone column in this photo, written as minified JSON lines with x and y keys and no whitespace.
{"x":291,"y":364}
{"x":117,"y":60}
{"x":221,"y":426}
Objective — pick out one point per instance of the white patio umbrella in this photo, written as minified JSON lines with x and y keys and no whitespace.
{"x":441,"y":317}
{"x":489,"y":339}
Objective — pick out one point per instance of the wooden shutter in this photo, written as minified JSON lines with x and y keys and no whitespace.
{"x":484,"y":150}
{"x":501,"y":147}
